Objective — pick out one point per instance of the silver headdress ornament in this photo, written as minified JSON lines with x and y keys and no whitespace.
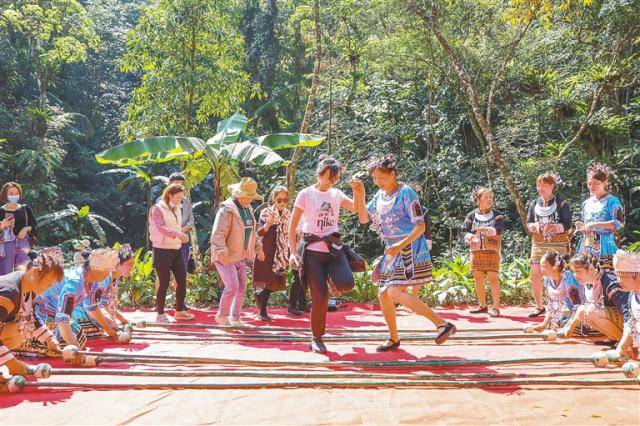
{"x":555,"y":177}
{"x":104,"y":260}
{"x":48,"y":257}
{"x":626,"y":263}
{"x":600,"y":167}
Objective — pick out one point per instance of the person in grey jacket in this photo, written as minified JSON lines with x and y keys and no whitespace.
{"x":234,"y":244}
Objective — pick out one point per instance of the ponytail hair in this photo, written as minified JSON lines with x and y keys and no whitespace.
{"x":557,"y":260}
{"x":585,"y":260}
{"x":331,"y":164}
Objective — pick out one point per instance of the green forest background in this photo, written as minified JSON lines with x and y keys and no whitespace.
{"x":463,"y":93}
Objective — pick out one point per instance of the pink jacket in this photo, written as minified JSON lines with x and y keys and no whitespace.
{"x":227,"y":236}
{"x":164,"y":226}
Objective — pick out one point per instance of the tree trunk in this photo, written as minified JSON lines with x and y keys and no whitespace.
{"x":431,"y":23}
{"x":304,"y":127}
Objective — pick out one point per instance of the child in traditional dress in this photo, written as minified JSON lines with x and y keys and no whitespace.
{"x":605,"y":301}
{"x":564,"y":293}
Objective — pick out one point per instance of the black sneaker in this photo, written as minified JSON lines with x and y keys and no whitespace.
{"x":304,"y":308}
{"x":317,"y":346}
{"x":444,"y":332}
{"x":264,"y":317}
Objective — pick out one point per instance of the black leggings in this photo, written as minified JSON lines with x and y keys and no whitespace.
{"x":319,"y":267}
{"x":166,"y":261}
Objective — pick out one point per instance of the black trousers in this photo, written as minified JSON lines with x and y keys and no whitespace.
{"x":166,"y":261}
{"x":319,"y":267}
{"x":297,"y":293}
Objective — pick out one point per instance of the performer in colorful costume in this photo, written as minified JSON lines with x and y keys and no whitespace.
{"x":18,"y":291}
{"x":627,"y":268}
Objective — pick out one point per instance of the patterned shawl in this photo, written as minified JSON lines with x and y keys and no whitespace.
{"x":281,"y":257}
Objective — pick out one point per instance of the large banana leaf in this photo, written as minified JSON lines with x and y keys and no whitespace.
{"x":251,"y":153}
{"x":278,"y":141}
{"x":196,"y":171}
{"x":228,"y":131}
{"x":55,"y":216}
{"x":155,"y":149}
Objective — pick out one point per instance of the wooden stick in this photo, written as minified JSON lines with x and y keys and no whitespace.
{"x":314,"y":374}
{"x":303,"y":329}
{"x":352,"y":338}
{"x":166,"y":359}
{"x":341,"y":384}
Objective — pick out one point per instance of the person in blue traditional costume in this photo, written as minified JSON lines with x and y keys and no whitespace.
{"x":55,"y":306}
{"x":602,"y":215}
{"x":564,"y":292}
{"x":18,"y":291}
{"x":98,"y":313}
{"x":397,"y":217}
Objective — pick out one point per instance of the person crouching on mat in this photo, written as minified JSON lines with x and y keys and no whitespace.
{"x":234,"y":246}
{"x":605,"y":301}
{"x":482,"y":230}
{"x":320,"y":255}
{"x":18,"y":291}
{"x":269,"y":275}
{"x":564,"y":292}
{"x":90,"y":315}
{"x":55,"y":306}
{"x":627,"y":269}
{"x":397,"y":217}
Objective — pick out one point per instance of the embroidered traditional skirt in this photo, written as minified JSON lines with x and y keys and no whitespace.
{"x":412,"y":267}
{"x":539,"y":245}
{"x":602,"y":245}
{"x":486,"y":258}
{"x":90,"y":328}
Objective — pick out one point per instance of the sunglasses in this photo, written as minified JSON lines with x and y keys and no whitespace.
{"x":282,"y":200}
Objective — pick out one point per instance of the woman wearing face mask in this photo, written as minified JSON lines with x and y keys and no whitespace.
{"x":273,"y":226}
{"x":17,"y":227}
{"x":549,"y":223}
{"x":165,"y":233}
{"x":602,"y":215}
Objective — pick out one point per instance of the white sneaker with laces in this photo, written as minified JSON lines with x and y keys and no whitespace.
{"x":235,"y":322}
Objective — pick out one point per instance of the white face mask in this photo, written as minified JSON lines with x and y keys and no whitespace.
{"x":13,"y":198}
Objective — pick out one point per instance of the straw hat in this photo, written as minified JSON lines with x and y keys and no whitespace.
{"x":246,"y":188}
{"x":81,"y":245}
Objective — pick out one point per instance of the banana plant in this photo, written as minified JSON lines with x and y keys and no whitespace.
{"x":143,"y":179}
{"x":78,"y":218}
{"x":218,"y":155}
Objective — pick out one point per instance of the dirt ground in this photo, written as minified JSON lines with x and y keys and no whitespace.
{"x":525,"y":404}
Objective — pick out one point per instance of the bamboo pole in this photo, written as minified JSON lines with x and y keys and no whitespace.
{"x":316,"y":374}
{"x":354,"y":338}
{"x":102,"y":357}
{"x":139,"y":325}
{"x":346,"y":384}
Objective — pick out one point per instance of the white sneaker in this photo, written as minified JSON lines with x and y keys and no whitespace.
{"x":163,"y":318}
{"x":224,"y":321}
{"x":184,"y":315}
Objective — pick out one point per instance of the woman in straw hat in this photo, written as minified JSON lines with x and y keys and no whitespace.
{"x":234,"y":243}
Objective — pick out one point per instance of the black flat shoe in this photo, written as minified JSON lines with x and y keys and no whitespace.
{"x":479,"y":310}
{"x":317,"y":346}
{"x":537,"y":312}
{"x":395,"y":344}
{"x":444,"y":332}
{"x":264,"y":317}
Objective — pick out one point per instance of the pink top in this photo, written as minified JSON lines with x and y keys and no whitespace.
{"x":158,"y":221}
{"x":320,"y":213}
